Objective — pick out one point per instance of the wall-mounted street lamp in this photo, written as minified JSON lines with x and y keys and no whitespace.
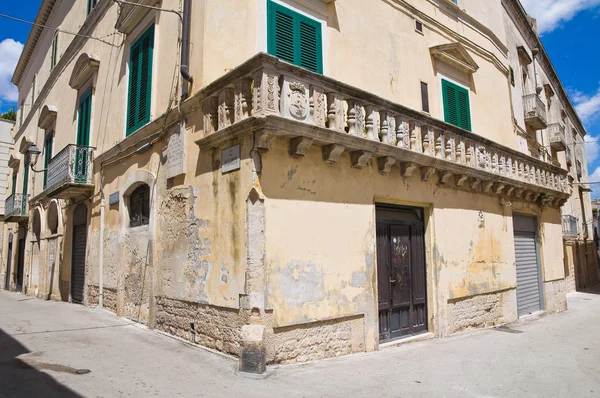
{"x":32,"y":156}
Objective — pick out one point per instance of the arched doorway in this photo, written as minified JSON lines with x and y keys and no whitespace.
{"x":21,"y":256}
{"x":34,"y":281}
{"x":78,"y":250}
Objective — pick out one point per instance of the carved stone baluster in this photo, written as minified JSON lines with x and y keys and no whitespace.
{"x":210,"y":115}
{"x":428,"y":140}
{"x":335,"y":113}
{"x":354,"y":116}
{"x":459,"y":144}
{"x":470,"y":155}
{"x":415,"y":137}
{"x":439,"y":143}
{"x":387,"y":134}
{"x":266,"y":92}
{"x":371,"y":124}
{"x":318,"y":106}
{"x":502,"y":166}
{"x":450,"y":150}
{"x":402,"y":136}
{"x":226,"y":110}
{"x":494,"y":164}
{"x":243,"y":100}
{"x":509,"y":167}
{"x":521,"y":171}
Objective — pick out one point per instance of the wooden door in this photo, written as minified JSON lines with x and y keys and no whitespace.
{"x":401,"y":273}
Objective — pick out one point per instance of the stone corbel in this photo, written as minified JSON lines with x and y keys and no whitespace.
{"x":461,"y":179}
{"x":332,"y":152}
{"x":263,"y":139}
{"x":445,"y":176}
{"x":299,"y":146}
{"x":359,"y":159}
{"x":509,"y":190}
{"x":426,"y":173}
{"x":475,"y":183}
{"x":407,"y":168}
{"x":385,"y":164}
{"x":498,"y":188}
{"x":536,"y":195}
{"x":487,"y":186}
{"x":528,"y":195}
{"x":518,"y":193}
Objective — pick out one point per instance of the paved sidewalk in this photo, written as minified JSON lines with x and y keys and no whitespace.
{"x":43,"y":345}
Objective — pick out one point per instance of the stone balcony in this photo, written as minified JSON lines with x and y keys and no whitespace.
{"x":535,"y":112}
{"x":569,"y":226}
{"x":16,"y":208}
{"x":69,"y":173}
{"x":556,"y":132}
{"x":271,"y":98}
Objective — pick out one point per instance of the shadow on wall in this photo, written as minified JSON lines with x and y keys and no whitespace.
{"x":23,"y":377}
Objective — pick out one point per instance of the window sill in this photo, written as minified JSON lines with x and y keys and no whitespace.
{"x":141,"y":228}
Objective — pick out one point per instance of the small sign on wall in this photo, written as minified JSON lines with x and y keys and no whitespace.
{"x":113,"y":198}
{"x":230,"y":159}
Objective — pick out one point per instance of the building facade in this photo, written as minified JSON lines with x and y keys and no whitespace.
{"x":6,"y":127}
{"x":284,"y":180}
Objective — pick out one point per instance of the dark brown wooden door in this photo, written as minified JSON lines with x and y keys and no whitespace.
{"x":401,"y":273}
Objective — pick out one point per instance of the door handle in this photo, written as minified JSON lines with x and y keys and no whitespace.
{"x":392,"y":280}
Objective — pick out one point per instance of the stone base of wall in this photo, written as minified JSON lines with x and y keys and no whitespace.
{"x":555,"y":296}
{"x":314,"y":341}
{"x":110,"y":297}
{"x":215,"y":327}
{"x":481,"y":311}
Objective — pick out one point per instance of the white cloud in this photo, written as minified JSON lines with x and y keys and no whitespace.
{"x":587,"y":106}
{"x":594,"y":177}
{"x":592,"y":148}
{"x":10,"y":51}
{"x":551,"y":13}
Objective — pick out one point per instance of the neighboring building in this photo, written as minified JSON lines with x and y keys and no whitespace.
{"x":376,"y":176}
{"x":5,"y":148}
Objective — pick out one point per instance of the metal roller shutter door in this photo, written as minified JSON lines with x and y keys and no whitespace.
{"x":78,"y":273}
{"x":528,"y":277}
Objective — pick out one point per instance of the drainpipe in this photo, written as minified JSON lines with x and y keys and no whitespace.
{"x":101,"y":263}
{"x":185,"y":49}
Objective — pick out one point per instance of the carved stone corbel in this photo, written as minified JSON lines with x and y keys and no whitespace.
{"x":461,"y":179}
{"x":299,"y":146}
{"x":498,"y":188}
{"x":487,"y":186}
{"x":535,"y":197}
{"x":426,"y":173}
{"x":359,"y":159}
{"x":263,"y":139}
{"x":385,"y":164}
{"x":528,"y":195}
{"x":510,"y":190}
{"x":445,"y":176}
{"x":475,"y":183}
{"x":518,"y":193}
{"x":407,"y":168}
{"x":332,"y":152}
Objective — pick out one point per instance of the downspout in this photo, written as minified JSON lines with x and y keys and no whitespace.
{"x":101,"y":262}
{"x":185,"y":49}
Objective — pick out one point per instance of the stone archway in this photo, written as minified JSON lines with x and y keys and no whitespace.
{"x":35,"y":270}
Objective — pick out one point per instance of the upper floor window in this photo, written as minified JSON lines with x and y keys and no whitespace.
{"x":90,"y":5}
{"x":456,"y":105}
{"x":139,"y":206}
{"x":140,"y":81}
{"x":294,"y":38}
{"x":54,"y":51}
{"x":47,"y":154}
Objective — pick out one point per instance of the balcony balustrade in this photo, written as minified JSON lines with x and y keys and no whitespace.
{"x":16,"y":208}
{"x":271,"y":98}
{"x":556,"y":132}
{"x":70,"y":173}
{"x":535,"y":112}
{"x":569,"y":226}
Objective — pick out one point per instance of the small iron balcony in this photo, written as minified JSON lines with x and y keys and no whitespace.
{"x":70,"y":173}
{"x":569,"y":156}
{"x":16,"y":208}
{"x":535,"y":112}
{"x":569,"y":226}
{"x":556,"y":131}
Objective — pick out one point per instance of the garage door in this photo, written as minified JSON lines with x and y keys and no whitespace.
{"x":528,"y":269}
{"x":78,"y":275}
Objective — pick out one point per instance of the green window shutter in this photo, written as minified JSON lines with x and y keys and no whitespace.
{"x":294,"y":37}
{"x":456,"y":105}
{"x":14,"y":182}
{"x":47,"y":154}
{"x":140,"y":81}
{"x":25,"y":177}
{"x":84,"y":119}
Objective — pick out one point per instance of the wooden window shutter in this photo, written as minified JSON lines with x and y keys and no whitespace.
{"x":14,"y":182}
{"x":294,"y":37}
{"x":140,"y":81}
{"x":47,"y":154}
{"x":456,"y":105}
{"x":84,"y":121}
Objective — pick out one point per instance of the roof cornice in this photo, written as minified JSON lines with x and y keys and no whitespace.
{"x":34,"y":35}
{"x":519,"y":16}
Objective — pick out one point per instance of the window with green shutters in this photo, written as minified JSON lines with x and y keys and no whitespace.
{"x":294,"y":37}
{"x":14,"y":182}
{"x":54,"y":51}
{"x":83,"y":135}
{"x":140,"y":81}
{"x":25,"y":185}
{"x":47,"y":154}
{"x":456,"y":105}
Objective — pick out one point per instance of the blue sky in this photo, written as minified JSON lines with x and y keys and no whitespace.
{"x":568,"y":29}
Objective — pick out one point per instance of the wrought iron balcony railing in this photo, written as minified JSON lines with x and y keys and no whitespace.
{"x":70,"y":171}
{"x":16,"y":207}
{"x":556,"y":131}
{"x":535,"y":112}
{"x":569,"y":226}
{"x":272,"y":98}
